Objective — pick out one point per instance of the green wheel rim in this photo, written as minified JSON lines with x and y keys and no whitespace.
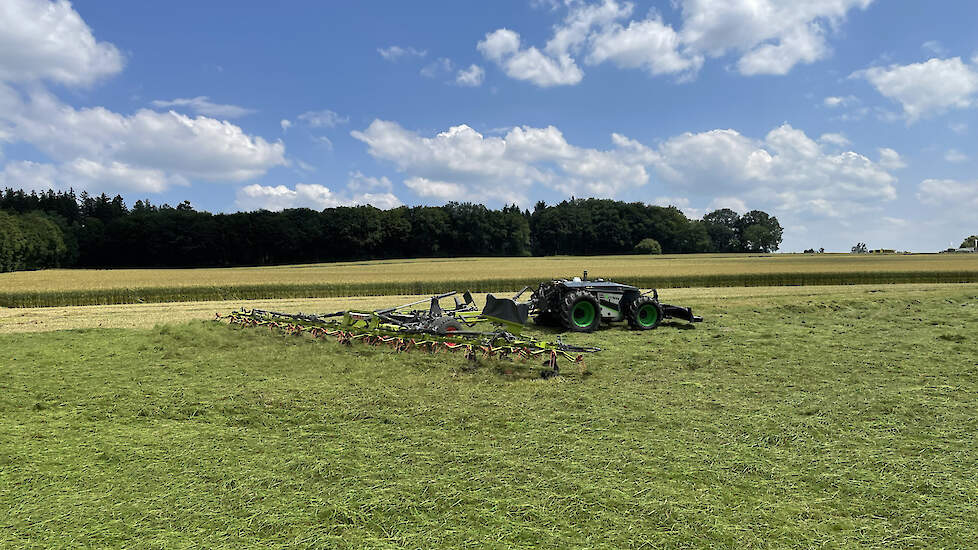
{"x":648,"y":315}
{"x":583,"y":314}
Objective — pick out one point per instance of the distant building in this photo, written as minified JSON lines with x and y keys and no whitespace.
{"x":883,"y":251}
{"x":971,"y":250}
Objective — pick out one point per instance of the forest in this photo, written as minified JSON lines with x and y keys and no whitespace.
{"x":62,"y":229}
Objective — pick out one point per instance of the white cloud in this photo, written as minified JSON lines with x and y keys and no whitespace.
{"x":953,"y":155}
{"x":87,"y":174}
{"x":144,"y":144}
{"x":787,"y":169}
{"x":322,"y":119}
{"x":949,"y":193}
{"x":890,"y":159}
{"x":394,"y":53}
{"x":438,"y":67}
{"x":202,"y":105}
{"x":503,"y":48}
{"x":472,"y":76}
{"x":95,"y":148}
{"x":359,"y":182}
{"x":770,"y":36}
{"x":438,"y":189}
{"x":29,"y":176}
{"x":649,"y":44}
{"x":42,"y":40}
{"x":836,"y":139}
{"x":958,"y":127}
{"x":925,"y":89}
{"x":317,"y":197}
{"x":285,"y":124}
{"x":837,"y":101}
{"x":504,"y":168}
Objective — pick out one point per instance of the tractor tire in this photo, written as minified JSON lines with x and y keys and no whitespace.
{"x":580,"y":312}
{"x":446,"y":325}
{"x":644,"y":313}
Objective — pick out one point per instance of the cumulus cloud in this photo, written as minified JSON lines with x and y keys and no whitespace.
{"x":949,"y":193}
{"x":438,"y":189}
{"x":86,"y":174}
{"x":504,"y":168}
{"x":890,"y":159}
{"x":787,"y":169}
{"x":471,"y":77}
{"x":503,"y":48}
{"x":649,"y":44}
{"x":154,"y":148}
{"x":926,"y":89}
{"x":318,"y":197}
{"x":202,"y":105}
{"x":42,"y":40}
{"x":95,"y":148}
{"x":769,"y":36}
{"x":285,"y":124}
{"x":394,"y":53}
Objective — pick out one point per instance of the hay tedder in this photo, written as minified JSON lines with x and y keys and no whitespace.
{"x":460,"y":328}
{"x":580,"y":305}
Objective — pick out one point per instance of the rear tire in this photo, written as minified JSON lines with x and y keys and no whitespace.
{"x":644,"y":313}
{"x":580,"y":312}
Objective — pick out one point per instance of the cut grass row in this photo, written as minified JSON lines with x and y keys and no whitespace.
{"x":107,"y":296}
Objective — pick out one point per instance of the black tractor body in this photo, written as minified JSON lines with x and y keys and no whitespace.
{"x":582,"y":305}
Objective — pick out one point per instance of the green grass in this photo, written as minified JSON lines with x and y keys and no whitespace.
{"x":828,"y":420}
{"x":50,"y":298}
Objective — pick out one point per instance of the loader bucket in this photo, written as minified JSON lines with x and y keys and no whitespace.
{"x":506,"y":311}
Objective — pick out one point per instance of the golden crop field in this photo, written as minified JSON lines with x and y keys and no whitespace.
{"x":463,"y":269}
{"x":66,"y":287}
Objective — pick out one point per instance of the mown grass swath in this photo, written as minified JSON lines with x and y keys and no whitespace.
{"x":838,"y":418}
{"x":45,"y":298}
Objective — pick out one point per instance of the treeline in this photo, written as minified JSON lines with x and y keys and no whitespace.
{"x":53,"y":229}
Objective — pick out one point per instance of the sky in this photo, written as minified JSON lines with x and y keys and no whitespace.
{"x":849,"y":120}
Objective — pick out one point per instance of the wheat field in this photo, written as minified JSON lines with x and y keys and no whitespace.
{"x":63,"y":287}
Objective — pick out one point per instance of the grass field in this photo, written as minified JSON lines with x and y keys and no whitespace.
{"x":791,"y":418}
{"x":86,"y":287}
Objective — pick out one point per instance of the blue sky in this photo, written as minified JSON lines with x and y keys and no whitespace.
{"x":850,"y":120}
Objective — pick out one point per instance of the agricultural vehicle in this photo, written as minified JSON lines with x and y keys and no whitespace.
{"x":581,"y":305}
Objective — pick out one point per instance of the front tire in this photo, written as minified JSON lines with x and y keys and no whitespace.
{"x":644,"y":313}
{"x":580,"y":312}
